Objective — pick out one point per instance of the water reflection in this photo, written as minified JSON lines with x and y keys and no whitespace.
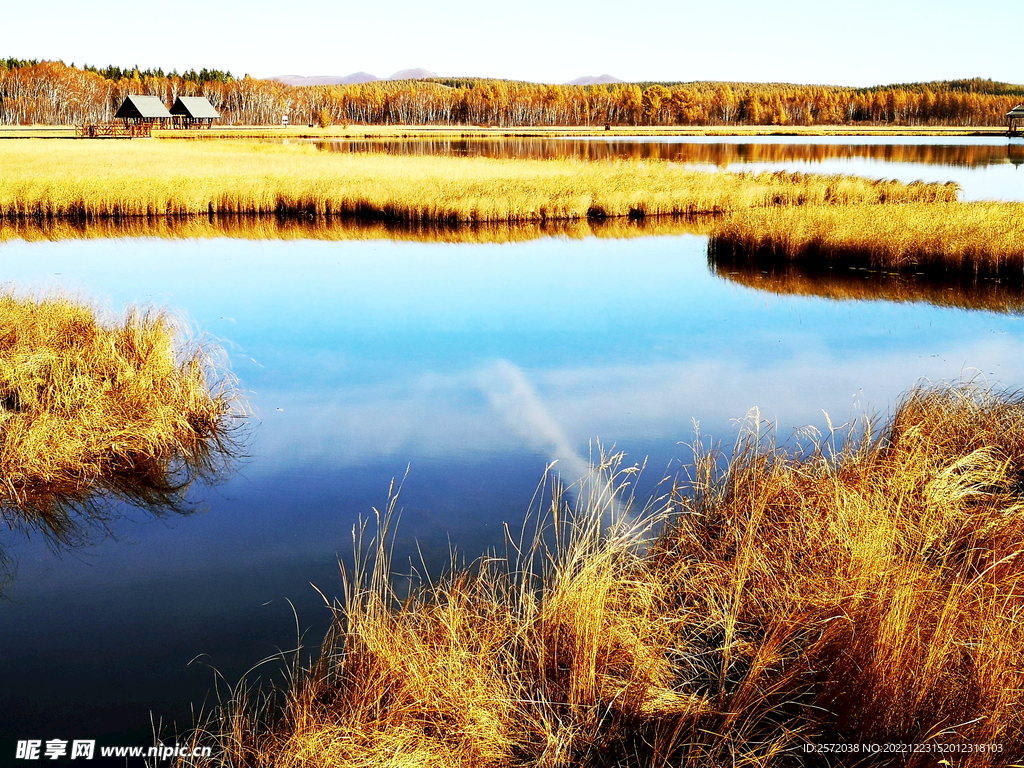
{"x":336,"y":229}
{"x":7,"y":572}
{"x":958,"y":289}
{"x":777,"y":276}
{"x":720,"y":153}
{"x":159,"y":488}
{"x":92,"y":524}
{"x":512,"y":395}
{"x":77,"y":524}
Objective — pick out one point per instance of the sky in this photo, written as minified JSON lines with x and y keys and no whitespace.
{"x":807,"y":41}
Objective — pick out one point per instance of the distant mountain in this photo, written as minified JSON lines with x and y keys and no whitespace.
{"x":413,"y":74}
{"x":354,"y":78}
{"x":591,"y":80}
{"x":408,"y":74}
{"x":358,"y":77}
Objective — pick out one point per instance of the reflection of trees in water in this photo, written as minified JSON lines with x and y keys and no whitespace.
{"x":962,"y":290}
{"x":713,"y":153}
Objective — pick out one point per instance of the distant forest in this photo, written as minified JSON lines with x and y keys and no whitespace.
{"x":46,"y":92}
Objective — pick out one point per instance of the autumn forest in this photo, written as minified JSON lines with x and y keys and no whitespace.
{"x":34,"y":92}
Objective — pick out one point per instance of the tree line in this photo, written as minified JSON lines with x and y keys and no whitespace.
{"x":46,"y":92}
{"x":199,"y":77}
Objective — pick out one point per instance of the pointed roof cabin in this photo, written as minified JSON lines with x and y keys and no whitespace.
{"x":142,"y":109}
{"x":193,"y":112}
{"x":195,"y":107}
{"x":1014,"y":116}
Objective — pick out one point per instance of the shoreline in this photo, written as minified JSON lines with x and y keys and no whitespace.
{"x":475,"y":131}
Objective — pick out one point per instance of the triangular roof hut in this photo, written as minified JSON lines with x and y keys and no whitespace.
{"x":195,"y":107}
{"x":1015,"y":114}
{"x":146,"y":109}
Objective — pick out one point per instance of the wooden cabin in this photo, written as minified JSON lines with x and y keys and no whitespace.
{"x":193,"y":112}
{"x":143,"y":110}
{"x":1015,"y":119}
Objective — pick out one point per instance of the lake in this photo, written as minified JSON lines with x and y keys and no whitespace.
{"x":464,"y":368}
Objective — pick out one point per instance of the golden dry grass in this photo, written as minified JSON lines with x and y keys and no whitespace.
{"x":94,"y":407}
{"x":83,"y":180}
{"x":960,"y":290}
{"x":862,"y":590}
{"x":973,"y":238}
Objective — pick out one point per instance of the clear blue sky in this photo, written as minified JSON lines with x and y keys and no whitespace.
{"x":863,"y":43}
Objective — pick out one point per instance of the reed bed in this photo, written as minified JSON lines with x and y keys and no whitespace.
{"x":866,"y":588}
{"x":983,"y":239}
{"x":82,"y":180}
{"x":95,"y":407}
{"x":956,"y":289}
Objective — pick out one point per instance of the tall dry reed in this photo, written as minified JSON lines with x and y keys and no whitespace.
{"x":865,"y":589}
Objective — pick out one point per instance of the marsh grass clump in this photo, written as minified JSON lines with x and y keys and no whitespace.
{"x":875,"y":588}
{"x":983,"y":239}
{"x":866,"y":586}
{"x":93,"y":408}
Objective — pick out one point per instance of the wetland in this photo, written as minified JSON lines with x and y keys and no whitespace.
{"x":464,"y":360}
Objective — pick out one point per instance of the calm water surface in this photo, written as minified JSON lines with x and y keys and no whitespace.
{"x":472,"y":365}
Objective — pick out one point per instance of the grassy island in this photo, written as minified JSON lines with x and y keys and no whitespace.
{"x":94,"y":407}
{"x":867,"y":588}
{"x":82,"y":180}
{"x":981,"y":239}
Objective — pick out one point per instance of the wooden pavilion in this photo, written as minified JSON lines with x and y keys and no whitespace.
{"x":143,"y":110}
{"x":137,"y":116}
{"x":193,"y":112}
{"x":1013,"y":118}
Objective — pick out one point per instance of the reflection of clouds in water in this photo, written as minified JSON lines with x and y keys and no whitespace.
{"x":512,"y":395}
{"x":438,"y":415}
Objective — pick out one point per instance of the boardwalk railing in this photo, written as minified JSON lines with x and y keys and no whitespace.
{"x":114,"y":130}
